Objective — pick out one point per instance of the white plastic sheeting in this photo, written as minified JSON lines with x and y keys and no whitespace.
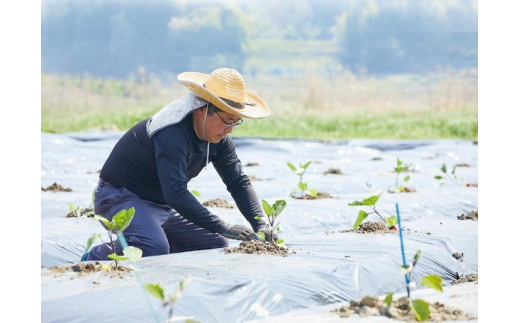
{"x":327,"y":266}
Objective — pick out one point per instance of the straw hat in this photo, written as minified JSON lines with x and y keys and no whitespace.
{"x":226,"y":89}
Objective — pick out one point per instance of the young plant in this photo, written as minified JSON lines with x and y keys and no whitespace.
{"x":419,"y":307}
{"x":302,"y":187}
{"x":370,"y":202}
{"x":79,"y":211}
{"x":451,"y":176}
{"x":168,"y":301}
{"x":401,"y":168}
{"x":272,"y":212}
{"x":119,"y":223}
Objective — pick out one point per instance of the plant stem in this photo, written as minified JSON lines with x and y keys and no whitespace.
{"x":375,"y":211}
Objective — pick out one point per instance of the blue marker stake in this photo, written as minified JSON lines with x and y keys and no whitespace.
{"x":402,"y":249}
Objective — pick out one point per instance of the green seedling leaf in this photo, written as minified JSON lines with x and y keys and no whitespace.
{"x":313,"y":192}
{"x":371,"y":200}
{"x":280,"y":242}
{"x":388,"y":299}
{"x":133,"y":253}
{"x":454,"y":169}
{"x":155,"y":290}
{"x":443,"y":168}
{"x":406,"y":178}
{"x":432,"y":281}
{"x":399,"y":189}
{"x":302,"y":186}
{"x":109,"y":225}
{"x":117,"y":257}
{"x":292,"y":167}
{"x":361,"y":216}
{"x":421,"y":309}
{"x":93,"y":239}
{"x":261,"y":235}
{"x":417,"y":256}
{"x":439,"y":177}
{"x":71,"y":207}
{"x":399,"y":162}
{"x":196,"y":193}
{"x":356,"y":203}
{"x":306,"y":164}
{"x":123,"y":218}
{"x":278,"y":207}
{"x":391,"y":221}
{"x":267,"y":207}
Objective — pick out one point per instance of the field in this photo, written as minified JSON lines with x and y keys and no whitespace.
{"x":333,"y":106}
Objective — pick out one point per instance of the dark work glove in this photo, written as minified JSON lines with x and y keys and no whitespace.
{"x":239,"y":232}
{"x":268,"y":236}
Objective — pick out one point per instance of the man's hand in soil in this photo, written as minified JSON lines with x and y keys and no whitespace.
{"x":269,"y":237}
{"x":239,"y":232}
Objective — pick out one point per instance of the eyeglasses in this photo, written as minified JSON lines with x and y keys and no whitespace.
{"x":236,"y":124}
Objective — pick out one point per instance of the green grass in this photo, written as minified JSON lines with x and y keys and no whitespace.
{"x":312,"y":107}
{"x":392,"y":125}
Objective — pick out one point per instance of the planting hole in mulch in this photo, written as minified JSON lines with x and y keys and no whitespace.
{"x":336,"y":171}
{"x":252,"y":164}
{"x":371,"y":227}
{"x":87,"y":268}
{"x":399,"y":310}
{"x":258,"y":247}
{"x":473,"y":215}
{"x":57,"y":188}
{"x":403,"y":189}
{"x":218,"y":203}
{"x":317,"y":197}
{"x":466,"y":279}
{"x":83,"y":212}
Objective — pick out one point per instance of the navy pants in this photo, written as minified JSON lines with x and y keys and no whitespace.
{"x":155,"y":229}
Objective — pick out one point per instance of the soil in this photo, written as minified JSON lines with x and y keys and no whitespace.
{"x":319,"y":196}
{"x":403,"y":190}
{"x":399,"y":310}
{"x":466,"y":279}
{"x":57,"y":188}
{"x":89,"y":213}
{"x":472,"y":184}
{"x":252,"y":164}
{"x":473,"y":215}
{"x":218,"y":203}
{"x":258,"y":247}
{"x":83,"y":269}
{"x":254,"y":178}
{"x":371,"y":227}
{"x":336,"y":171}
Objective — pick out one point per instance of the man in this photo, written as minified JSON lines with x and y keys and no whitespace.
{"x":150,"y":166}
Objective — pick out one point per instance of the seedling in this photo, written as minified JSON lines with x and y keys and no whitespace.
{"x":272,"y":212}
{"x":168,"y":302}
{"x":401,"y":168}
{"x":196,"y":193}
{"x":78,"y":211}
{"x":451,"y":176}
{"x":370,"y":202}
{"x":419,"y":307}
{"x":119,"y":223}
{"x":302,"y":187}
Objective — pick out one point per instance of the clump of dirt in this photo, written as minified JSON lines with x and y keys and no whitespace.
{"x":57,"y":188}
{"x":457,"y":255}
{"x":336,"y":171}
{"x":473,"y":215}
{"x":463,"y":165}
{"x":399,"y":310}
{"x":83,"y":269}
{"x":83,"y":212}
{"x":472,"y":184}
{"x":254,"y":178}
{"x":371,"y":227}
{"x":317,"y":197}
{"x":403,"y":190}
{"x":218,"y":203}
{"x":259,"y":247}
{"x":377,"y":158}
{"x":466,"y":279}
{"x":252,"y":164}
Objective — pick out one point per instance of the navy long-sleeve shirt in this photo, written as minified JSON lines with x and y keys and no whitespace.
{"x":159,"y":168}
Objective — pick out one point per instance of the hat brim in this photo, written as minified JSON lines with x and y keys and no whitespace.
{"x":254,"y":107}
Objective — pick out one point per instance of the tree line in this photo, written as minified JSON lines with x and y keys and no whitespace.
{"x":115,"y":38}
